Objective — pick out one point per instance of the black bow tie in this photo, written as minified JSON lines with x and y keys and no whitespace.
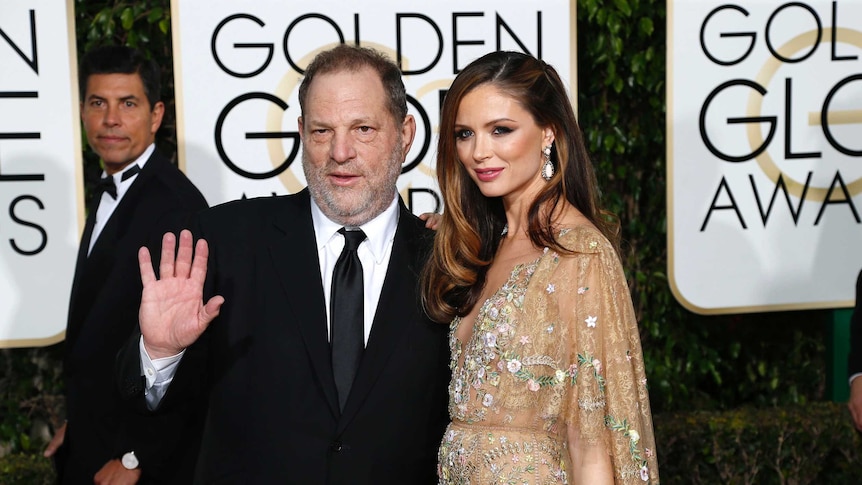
{"x":107,"y":184}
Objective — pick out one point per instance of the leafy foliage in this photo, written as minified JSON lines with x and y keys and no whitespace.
{"x":21,"y":468}
{"x":815,"y":443}
{"x":30,"y":397}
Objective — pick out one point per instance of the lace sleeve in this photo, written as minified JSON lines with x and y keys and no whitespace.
{"x":607,"y":404}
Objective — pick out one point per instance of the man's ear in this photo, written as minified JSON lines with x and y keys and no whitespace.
{"x":408,"y":132}
{"x":158,"y":113}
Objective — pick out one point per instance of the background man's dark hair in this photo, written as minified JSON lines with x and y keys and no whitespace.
{"x":118,"y":59}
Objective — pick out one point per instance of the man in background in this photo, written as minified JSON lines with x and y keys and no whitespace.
{"x":139,"y":197}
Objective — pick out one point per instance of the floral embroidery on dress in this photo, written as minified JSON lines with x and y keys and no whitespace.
{"x":528,"y":371}
{"x":634,"y":437}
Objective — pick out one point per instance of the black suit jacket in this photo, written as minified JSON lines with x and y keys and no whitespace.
{"x":273,"y":412}
{"x":854,"y":362}
{"x":103,"y":311}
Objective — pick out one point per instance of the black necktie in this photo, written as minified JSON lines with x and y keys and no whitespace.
{"x":347,"y":314}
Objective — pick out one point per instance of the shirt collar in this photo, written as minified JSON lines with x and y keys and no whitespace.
{"x":140,"y":161}
{"x":380,"y":230}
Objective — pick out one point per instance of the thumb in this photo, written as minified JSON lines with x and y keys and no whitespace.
{"x":211,"y":309}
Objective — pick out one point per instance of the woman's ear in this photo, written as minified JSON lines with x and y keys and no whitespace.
{"x":548,"y":137}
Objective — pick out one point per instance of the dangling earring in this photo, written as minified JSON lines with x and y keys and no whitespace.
{"x":548,"y":166}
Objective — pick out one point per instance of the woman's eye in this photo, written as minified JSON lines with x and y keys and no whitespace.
{"x":463,"y":134}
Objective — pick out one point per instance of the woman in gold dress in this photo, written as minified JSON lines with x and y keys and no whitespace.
{"x":548,"y":383}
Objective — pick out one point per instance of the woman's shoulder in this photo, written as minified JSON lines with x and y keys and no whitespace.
{"x":584,"y":238}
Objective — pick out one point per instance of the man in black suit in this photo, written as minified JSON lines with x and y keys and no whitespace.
{"x":140,"y":196}
{"x":291,"y":399}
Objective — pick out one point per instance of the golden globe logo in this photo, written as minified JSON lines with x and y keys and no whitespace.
{"x":814,"y":76}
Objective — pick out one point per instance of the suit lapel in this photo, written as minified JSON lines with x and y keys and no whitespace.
{"x":294,"y":255}
{"x":118,"y":224}
{"x":394,"y":315}
{"x":92,"y":271}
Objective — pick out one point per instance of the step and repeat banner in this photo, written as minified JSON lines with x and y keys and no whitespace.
{"x":764,"y":146}
{"x":41,"y":189}
{"x":238,"y":69}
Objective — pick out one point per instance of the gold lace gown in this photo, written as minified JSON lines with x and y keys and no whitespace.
{"x":555,"y":349}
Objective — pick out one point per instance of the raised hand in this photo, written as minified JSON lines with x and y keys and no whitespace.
{"x":173,"y":314}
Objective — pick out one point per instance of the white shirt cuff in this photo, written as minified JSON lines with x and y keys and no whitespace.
{"x":158,"y":374}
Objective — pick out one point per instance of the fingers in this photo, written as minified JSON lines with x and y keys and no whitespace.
{"x":166,"y":265}
{"x":199,"y":265}
{"x":56,"y":441}
{"x":857,"y":415}
{"x":169,"y":266}
{"x":145,"y":262}
{"x":183,"y":264}
{"x":432,"y":219}
{"x":51,"y":449}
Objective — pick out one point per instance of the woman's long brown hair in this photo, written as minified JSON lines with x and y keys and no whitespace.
{"x":471,"y":226}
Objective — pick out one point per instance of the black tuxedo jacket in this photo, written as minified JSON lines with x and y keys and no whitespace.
{"x":103,"y":311}
{"x":854,"y":362}
{"x":273,"y":411}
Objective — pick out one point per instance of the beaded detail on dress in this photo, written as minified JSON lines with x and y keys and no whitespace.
{"x":556,"y":348}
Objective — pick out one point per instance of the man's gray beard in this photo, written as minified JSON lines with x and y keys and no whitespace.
{"x":375,"y":201}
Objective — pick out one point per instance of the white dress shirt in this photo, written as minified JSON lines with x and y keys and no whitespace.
{"x":108,"y":204}
{"x":373,"y":252}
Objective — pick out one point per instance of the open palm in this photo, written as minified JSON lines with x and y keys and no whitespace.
{"x":173,"y":314}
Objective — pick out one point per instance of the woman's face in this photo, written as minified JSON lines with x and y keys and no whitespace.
{"x":500,"y":144}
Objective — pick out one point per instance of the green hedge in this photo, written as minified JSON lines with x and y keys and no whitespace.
{"x":798,"y":445}
{"x":19,"y":469}
{"x":815,"y":443}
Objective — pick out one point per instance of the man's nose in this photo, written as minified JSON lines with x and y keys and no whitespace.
{"x":342,"y":149}
{"x":112,"y":116}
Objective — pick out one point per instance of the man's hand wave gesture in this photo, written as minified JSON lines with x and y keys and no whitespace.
{"x":173,"y":314}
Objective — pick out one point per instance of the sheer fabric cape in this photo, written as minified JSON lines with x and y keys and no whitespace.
{"x":555,"y":351}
